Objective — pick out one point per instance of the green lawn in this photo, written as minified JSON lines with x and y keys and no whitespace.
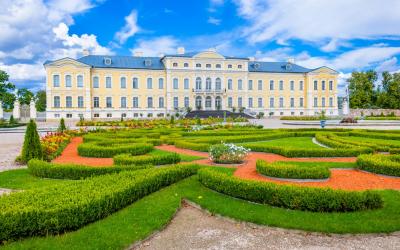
{"x":143,"y":217}
{"x":291,"y":142}
{"x":184,"y":157}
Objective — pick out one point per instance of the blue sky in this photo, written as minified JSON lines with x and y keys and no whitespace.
{"x":344,"y":35}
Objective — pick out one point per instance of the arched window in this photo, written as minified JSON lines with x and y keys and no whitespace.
{"x":198,"y":103}
{"x":186,"y":83}
{"x":175,"y":83}
{"x":135,"y":83}
{"x":208,"y":83}
{"x":79,"y":81}
{"x":198,"y":83}
{"x":218,"y":83}
{"x":149,"y":102}
{"x":149,"y":83}
{"x":208,"y":102}
{"x":218,"y":103}
{"x":230,"y":84}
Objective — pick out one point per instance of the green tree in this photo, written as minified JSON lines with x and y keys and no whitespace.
{"x":24,"y":96}
{"x":62,"y":127}
{"x":40,"y":101}
{"x":389,"y":94}
{"x":361,"y":87}
{"x":32,"y":148}
{"x":6,"y":88}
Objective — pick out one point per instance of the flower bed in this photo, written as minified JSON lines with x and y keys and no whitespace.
{"x":227,"y":153}
{"x":380,"y":164}
{"x":288,"y":196}
{"x":54,"y":143}
{"x":292,"y":171}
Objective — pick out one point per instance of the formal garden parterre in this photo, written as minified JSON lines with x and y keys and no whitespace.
{"x":285,"y":179}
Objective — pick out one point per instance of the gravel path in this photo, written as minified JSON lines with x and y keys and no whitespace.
{"x":195,"y":229}
{"x":10,"y":148}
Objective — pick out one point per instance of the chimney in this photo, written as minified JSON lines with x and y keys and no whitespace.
{"x":290,"y":60}
{"x":180,"y":51}
{"x":86,"y":52}
{"x":138,"y":53}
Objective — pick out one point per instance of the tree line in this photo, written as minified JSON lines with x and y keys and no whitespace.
{"x":8,"y":95}
{"x":368,"y":90}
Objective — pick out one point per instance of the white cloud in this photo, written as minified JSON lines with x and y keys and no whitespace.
{"x":214,"y":21}
{"x":217,"y":2}
{"x":21,"y":71}
{"x":131,"y":28}
{"x":314,"y":21}
{"x":389,"y":65}
{"x":156,"y":46}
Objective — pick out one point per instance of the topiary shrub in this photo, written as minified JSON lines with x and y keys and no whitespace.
{"x":31,"y":148}
{"x":292,"y":171}
{"x":62,"y":127}
{"x":12,"y":120}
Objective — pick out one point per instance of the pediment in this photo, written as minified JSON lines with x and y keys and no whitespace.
{"x":66,"y":62}
{"x":209,"y":54}
{"x":324,"y":70}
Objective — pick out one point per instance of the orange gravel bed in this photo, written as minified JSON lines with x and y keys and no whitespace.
{"x":70,"y":155}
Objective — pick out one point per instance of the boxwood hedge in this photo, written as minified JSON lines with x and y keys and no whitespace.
{"x":289,"y":196}
{"x":380,"y":164}
{"x":106,"y":151}
{"x":126,"y":159}
{"x":291,"y":170}
{"x":193,"y":146}
{"x":69,"y":206}
{"x":75,"y":172}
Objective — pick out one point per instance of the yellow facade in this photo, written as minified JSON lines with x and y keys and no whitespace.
{"x":226,"y":83}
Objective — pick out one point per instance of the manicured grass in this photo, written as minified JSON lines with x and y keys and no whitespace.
{"x":291,"y":142}
{"x":184,"y":157}
{"x":140,"y":219}
{"x":21,"y":179}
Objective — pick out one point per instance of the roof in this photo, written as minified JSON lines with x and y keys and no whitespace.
{"x":276,"y":67}
{"x":193,"y":53}
{"x":123,"y":62}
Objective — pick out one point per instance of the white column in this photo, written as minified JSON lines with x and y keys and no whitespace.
{"x":32,"y":110}
{"x":16,"y":110}
{"x":1,"y":110}
{"x":345,"y":106}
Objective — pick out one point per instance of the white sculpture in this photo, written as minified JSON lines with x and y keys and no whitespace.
{"x":16,"y":110}
{"x":32,"y":109}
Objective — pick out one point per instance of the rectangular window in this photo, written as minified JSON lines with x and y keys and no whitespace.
{"x":330,"y":102}
{"x":186,"y":102}
{"x":135,"y":102}
{"x":79,"y":81}
{"x":301,"y":102}
{"x":123,"y":82}
{"x":186,"y":83}
{"x":315,"y":85}
{"x":161,"y":102}
{"x":250,"y":85}
{"x":108,"y":102}
{"x":135,"y":83}
{"x":301,"y":87}
{"x":280,"y":85}
{"x":68,"y":81}
{"x":240,"y":84}
{"x":69,"y":115}
{"x":56,"y":102}
{"x":281,"y":102}
{"x":315,"y":101}
{"x":229,"y":102}
{"x":250,"y":104}
{"x":176,"y":104}
{"x":240,"y":104}
{"x":271,"y":102}
{"x":56,"y":81}
{"x":149,"y":83}
{"x":230,"y":84}
{"x":80,"y":101}
{"x":260,"y":102}
{"x":260,"y":84}
{"x":323,"y":85}
{"x":292,"y":102}
{"x":109,"y":115}
{"x":175,"y":83}
{"x":68,"y":101}
{"x":160,"y":83}
{"x":96,"y":82}
{"x":108,"y":82}
{"x":149,"y":102}
{"x":96,"y":102}
{"x":271,"y":85}
{"x":123,"y":102}
{"x":96,"y":115}
{"x":323,"y":102}
{"x":292,"y":85}
{"x":331,"y":85}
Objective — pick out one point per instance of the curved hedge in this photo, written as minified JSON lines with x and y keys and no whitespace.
{"x":106,"y":151}
{"x":126,"y":159}
{"x":289,"y":196}
{"x":291,"y":170}
{"x":380,"y":164}
{"x":193,"y":146}
{"x":74,"y":172}
{"x":69,"y":206}
{"x":394,"y":151}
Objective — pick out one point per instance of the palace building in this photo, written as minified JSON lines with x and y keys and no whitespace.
{"x":111,"y":87}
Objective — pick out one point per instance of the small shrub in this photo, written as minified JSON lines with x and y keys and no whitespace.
{"x":292,"y":171}
{"x":12,"y":120}
{"x":62,"y":127}
{"x":31,"y":148}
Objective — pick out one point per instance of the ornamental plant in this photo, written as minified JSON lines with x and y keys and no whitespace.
{"x":62,"y":127}
{"x":227,"y":153}
{"x":32,"y":148}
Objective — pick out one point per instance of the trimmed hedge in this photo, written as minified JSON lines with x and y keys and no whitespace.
{"x":292,"y":171}
{"x":289,"y":196}
{"x":380,"y":164}
{"x":193,"y":146}
{"x":126,"y":159}
{"x":74,"y":172}
{"x":394,"y":151}
{"x":103,"y":151}
{"x":69,"y":206}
